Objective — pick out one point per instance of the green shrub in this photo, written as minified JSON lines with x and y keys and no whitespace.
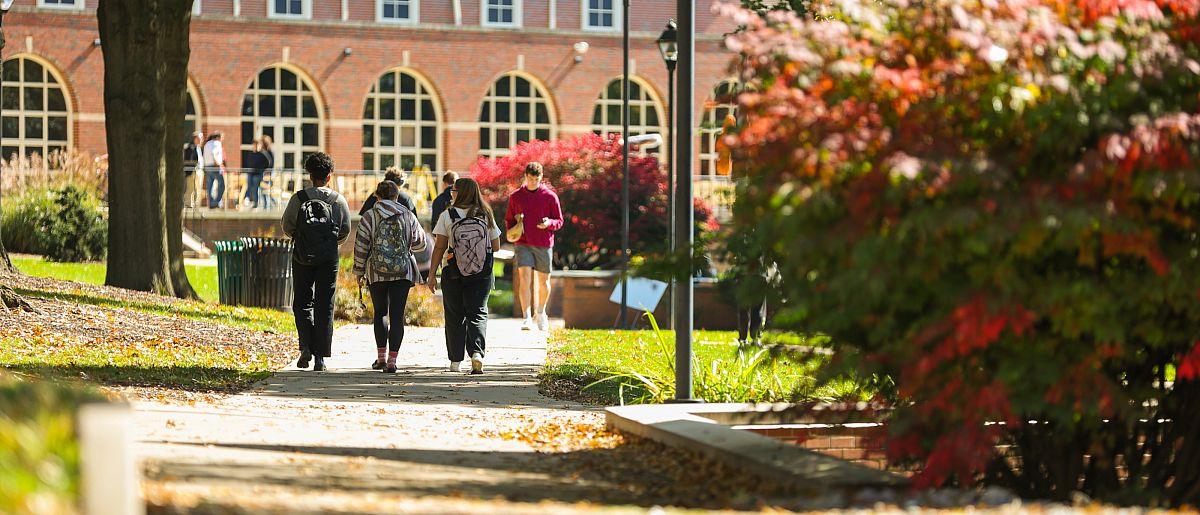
{"x":62,"y":224}
{"x":39,"y":451}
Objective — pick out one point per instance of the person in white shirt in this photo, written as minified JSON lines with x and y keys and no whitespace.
{"x":214,"y":169}
{"x":468,"y":230}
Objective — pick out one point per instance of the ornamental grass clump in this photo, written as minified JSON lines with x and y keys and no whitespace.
{"x":993,"y":209}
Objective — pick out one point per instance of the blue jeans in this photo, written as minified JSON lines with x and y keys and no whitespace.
{"x":253,"y":180}
{"x":214,"y":180}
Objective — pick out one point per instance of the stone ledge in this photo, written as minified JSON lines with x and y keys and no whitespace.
{"x":689,"y":426}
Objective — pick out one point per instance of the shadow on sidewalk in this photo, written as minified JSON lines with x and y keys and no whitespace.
{"x":500,"y":386}
{"x":637,"y":474}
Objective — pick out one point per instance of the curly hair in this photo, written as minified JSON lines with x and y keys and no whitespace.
{"x":318,"y":165}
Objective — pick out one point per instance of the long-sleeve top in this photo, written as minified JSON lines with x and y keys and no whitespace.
{"x":440,"y":203}
{"x":535,"y":205}
{"x":341,"y":211}
{"x":364,"y":239}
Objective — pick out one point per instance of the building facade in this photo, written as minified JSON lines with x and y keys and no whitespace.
{"x":411,"y":83}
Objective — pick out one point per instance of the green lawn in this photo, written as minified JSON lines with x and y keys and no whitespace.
{"x":639,"y":368}
{"x":39,"y":453}
{"x":203,"y":278}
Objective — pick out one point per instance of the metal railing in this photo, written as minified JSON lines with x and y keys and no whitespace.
{"x":277,"y":186}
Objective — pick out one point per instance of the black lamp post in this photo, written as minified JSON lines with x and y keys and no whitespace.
{"x":669,"y":48}
{"x":621,"y":323}
{"x":684,"y":214}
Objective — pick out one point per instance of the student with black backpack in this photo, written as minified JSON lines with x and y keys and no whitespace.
{"x":387,"y":237}
{"x":318,"y":221}
{"x":468,"y":229}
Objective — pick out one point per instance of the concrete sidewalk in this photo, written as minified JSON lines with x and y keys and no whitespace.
{"x":356,"y":440}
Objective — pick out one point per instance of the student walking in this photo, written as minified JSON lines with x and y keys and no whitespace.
{"x":393,"y":176}
{"x":384,"y":246}
{"x":468,"y":229}
{"x":318,"y":221}
{"x":214,"y":169}
{"x":193,"y":158}
{"x":259,"y":161}
{"x":442,"y":201}
{"x":535,"y":207}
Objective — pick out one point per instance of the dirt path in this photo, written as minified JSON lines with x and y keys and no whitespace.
{"x":422,"y":440}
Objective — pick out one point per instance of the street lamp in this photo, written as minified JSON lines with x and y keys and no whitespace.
{"x":624,"y":165}
{"x":684,"y":214}
{"x":668,"y":46}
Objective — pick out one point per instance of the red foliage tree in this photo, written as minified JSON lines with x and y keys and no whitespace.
{"x":585,"y":171}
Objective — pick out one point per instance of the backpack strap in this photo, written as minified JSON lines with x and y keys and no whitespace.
{"x":303,"y":195}
{"x":454,"y":216}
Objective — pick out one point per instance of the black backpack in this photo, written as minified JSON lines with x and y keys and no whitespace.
{"x":316,"y":238}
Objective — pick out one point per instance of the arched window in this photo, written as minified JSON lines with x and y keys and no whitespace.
{"x":191,"y":116}
{"x":515,"y":109}
{"x":722,"y":104}
{"x":282,"y":104}
{"x":36,"y":116}
{"x":645,"y":111}
{"x":401,"y":123}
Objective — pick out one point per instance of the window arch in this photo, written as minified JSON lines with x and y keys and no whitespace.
{"x":282,"y":103}
{"x":645,"y":110}
{"x":401,"y":123}
{"x":192,"y":117}
{"x":37,"y":117}
{"x":716,"y":109}
{"x":515,"y":109}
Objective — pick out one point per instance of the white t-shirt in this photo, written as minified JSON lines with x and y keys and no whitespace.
{"x":214,"y":155}
{"x":444,"y":223}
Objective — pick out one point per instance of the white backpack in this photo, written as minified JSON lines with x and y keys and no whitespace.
{"x":472,"y":242}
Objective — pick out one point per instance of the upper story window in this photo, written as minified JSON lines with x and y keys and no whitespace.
{"x":61,"y":4}
{"x":601,"y":14}
{"x":501,"y":13}
{"x":301,"y":9}
{"x":398,"y":11}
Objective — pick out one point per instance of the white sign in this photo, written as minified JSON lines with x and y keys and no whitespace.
{"x":642,"y":295}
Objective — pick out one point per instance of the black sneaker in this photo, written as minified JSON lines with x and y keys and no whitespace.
{"x":391,"y":369}
{"x":305,"y":356}
{"x":378,"y":365}
{"x":319,"y":366}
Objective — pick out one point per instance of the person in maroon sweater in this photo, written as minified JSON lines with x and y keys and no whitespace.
{"x":535,"y":206}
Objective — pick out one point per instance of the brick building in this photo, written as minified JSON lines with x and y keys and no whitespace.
{"x":433,"y":83}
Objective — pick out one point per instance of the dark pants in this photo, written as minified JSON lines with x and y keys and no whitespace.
{"x":214,"y":186}
{"x":313,"y":305}
{"x":465,"y":302}
{"x":253,"y":180}
{"x":750,"y":321}
{"x":389,"y":297}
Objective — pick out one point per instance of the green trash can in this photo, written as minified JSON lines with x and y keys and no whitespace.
{"x":255,"y":272}
{"x":230,"y":271}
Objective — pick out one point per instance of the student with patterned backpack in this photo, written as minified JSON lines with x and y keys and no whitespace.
{"x":388,"y":236}
{"x":468,"y":229}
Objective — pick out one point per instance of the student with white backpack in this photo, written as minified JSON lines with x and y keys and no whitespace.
{"x":468,"y":229}
{"x":388,"y":236}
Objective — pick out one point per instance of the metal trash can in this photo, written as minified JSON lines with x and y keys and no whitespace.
{"x":255,"y":272}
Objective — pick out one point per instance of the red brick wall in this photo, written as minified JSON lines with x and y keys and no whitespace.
{"x":848,"y":443}
{"x":461,"y":63}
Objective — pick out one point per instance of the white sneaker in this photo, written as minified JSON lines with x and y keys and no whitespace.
{"x":527,"y":325}
{"x":476,"y":363}
{"x":543,"y":322}
{"x":456,"y":366}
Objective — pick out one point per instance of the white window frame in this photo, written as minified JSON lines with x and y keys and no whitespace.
{"x":618,"y":16}
{"x":55,"y":81}
{"x":78,"y":6}
{"x":538,"y":94}
{"x":517,"y":15}
{"x":305,"y":5}
{"x":414,"y":13}
{"x":196,"y":8}
{"x":376,"y":124}
{"x":646,"y":101}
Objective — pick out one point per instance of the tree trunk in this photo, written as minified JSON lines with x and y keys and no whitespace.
{"x":139,"y":36}
{"x":177,"y":52}
{"x":5,"y":263}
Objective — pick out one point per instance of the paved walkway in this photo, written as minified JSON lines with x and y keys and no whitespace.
{"x":357,"y":440}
